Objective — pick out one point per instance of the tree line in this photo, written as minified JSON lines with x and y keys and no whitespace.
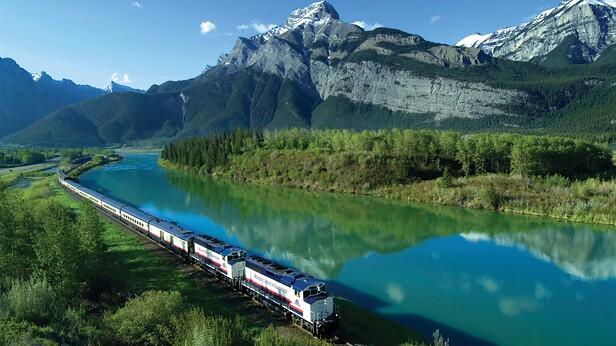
{"x":21,"y":157}
{"x":413,"y":154}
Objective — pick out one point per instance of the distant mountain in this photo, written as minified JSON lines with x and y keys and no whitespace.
{"x":26,"y":97}
{"x":110,"y":119}
{"x":315,"y":71}
{"x":575,"y":32}
{"x":114,"y":87}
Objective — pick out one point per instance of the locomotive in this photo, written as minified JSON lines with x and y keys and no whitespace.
{"x":297,"y":295}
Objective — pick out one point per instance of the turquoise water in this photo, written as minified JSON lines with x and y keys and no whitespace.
{"x":479,"y":277}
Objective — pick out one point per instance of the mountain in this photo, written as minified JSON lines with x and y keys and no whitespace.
{"x":110,"y":119}
{"x":26,"y":97}
{"x":316,"y":71}
{"x":575,"y":32}
{"x":114,"y":87}
{"x":297,"y":73}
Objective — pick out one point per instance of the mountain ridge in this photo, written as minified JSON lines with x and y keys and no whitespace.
{"x":26,"y":97}
{"x":591,"y":22}
{"x":316,"y":71}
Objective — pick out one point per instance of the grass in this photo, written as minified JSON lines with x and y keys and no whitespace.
{"x":587,"y":201}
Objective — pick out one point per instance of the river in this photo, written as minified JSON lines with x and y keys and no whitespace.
{"x":480,"y":277}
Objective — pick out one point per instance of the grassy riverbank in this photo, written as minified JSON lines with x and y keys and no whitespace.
{"x":555,"y":177}
{"x":96,"y":160}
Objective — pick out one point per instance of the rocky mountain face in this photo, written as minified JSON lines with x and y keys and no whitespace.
{"x":579,"y":29}
{"x":314,"y":49}
{"x":26,"y":98}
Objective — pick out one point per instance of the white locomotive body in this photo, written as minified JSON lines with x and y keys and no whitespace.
{"x":299,"y":293}
{"x":219,"y":256}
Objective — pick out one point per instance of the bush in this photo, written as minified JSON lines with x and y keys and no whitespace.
{"x":195,"y":329}
{"x":491,"y":197}
{"x":146,"y":319}
{"x":446,"y":181}
{"x":271,"y":337}
{"x":32,"y":301}
{"x":24,"y":334}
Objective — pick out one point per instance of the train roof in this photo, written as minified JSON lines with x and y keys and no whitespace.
{"x":139,"y":214}
{"x":173,"y":229}
{"x":91,"y":192}
{"x":114,"y":203}
{"x":72,"y":183}
{"x":291,"y":277}
{"x":218,"y":246}
{"x":84,"y":189}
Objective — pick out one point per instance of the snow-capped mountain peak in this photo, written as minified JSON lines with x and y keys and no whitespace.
{"x":589,"y":24}
{"x":316,"y":14}
{"x":41,"y":76}
{"x":36,"y":76}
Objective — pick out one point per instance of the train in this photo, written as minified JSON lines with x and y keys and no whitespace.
{"x":297,"y":295}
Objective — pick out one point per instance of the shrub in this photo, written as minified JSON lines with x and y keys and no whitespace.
{"x":446,"y":181}
{"x":146,"y":319}
{"x":194,"y":328}
{"x":17,"y":333}
{"x":32,"y":301}
{"x":272,"y":337}
{"x":491,"y":197}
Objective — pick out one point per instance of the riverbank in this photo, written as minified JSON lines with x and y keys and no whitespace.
{"x":590,"y":201}
{"x":556,"y":177}
{"x":93,"y":162}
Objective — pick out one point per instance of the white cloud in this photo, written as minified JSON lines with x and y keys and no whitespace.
{"x":257,"y":26}
{"x":514,"y":306}
{"x":137,"y":4}
{"x":207,"y":27}
{"x":542,"y":292}
{"x":395,"y":292}
{"x":489,"y":285}
{"x":367,"y":26}
{"x":434,"y":19}
{"x":120,"y":78}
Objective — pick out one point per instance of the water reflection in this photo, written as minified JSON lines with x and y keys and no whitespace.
{"x":328,"y":229}
{"x":582,"y":253}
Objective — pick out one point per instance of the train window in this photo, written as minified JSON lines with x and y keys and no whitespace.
{"x":311,"y":291}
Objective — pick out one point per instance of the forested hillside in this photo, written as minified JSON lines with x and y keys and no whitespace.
{"x":110,"y":119}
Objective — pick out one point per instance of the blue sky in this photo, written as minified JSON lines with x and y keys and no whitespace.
{"x":141,"y":42}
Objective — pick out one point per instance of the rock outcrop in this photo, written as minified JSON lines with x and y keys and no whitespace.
{"x":369,"y":82}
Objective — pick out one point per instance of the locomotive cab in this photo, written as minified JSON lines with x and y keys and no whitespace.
{"x":314,"y":290}
{"x":236,"y":262}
